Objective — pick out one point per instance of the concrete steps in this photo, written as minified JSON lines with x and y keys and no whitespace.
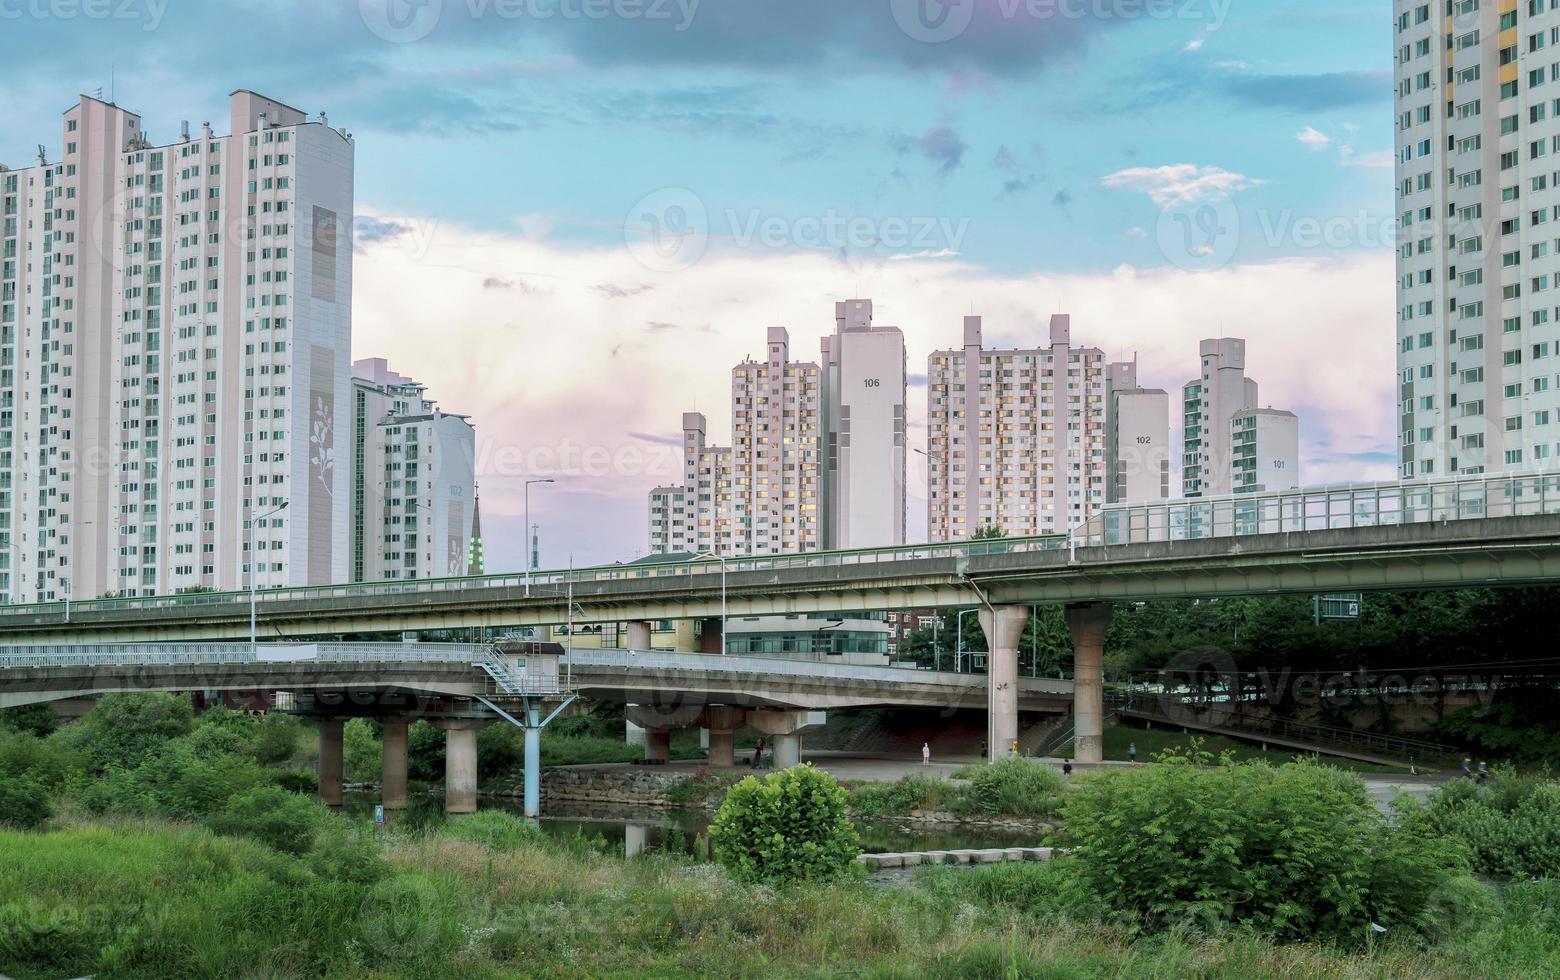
{"x":992,"y":855}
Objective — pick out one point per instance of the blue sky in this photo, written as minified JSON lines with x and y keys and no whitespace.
{"x":1129,"y":167}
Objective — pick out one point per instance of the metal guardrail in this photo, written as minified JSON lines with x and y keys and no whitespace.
{"x":1310,"y":509}
{"x":1180,"y":711}
{"x":478,"y":657}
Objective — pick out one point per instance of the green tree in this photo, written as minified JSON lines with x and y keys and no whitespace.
{"x":792,"y":825}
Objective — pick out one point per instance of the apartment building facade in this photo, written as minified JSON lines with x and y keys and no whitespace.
{"x":175,"y":325}
{"x":1264,"y":450}
{"x":864,"y":390}
{"x":1478,"y":216}
{"x":413,"y":481}
{"x":1016,"y":439}
{"x":1137,"y":437}
{"x":761,"y":494}
{"x":1209,"y":401}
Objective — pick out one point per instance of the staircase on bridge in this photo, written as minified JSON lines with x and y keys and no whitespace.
{"x":1216,"y":716}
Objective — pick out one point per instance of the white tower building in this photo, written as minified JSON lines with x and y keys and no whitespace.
{"x":864,"y":392}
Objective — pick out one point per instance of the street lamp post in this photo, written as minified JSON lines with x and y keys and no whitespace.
{"x":722,"y":560}
{"x":958,"y":657}
{"x":528,"y":555}
{"x":254,"y":571}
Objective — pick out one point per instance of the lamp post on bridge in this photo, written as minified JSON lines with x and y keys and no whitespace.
{"x":722,"y":560}
{"x":254,"y":572}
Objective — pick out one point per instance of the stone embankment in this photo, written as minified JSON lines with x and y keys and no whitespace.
{"x":992,"y":855}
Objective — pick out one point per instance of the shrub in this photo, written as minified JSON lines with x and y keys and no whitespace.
{"x":279,"y":819}
{"x":121,"y":729}
{"x":24,"y":802}
{"x":792,"y":825}
{"x":33,"y":719}
{"x":493,"y":828}
{"x":46,"y":760}
{"x":901,"y":797}
{"x":1297,"y":850}
{"x":424,"y":753}
{"x":304,"y":781}
{"x":1015,"y":787}
{"x":1511,"y":826}
{"x":276,"y":738}
{"x":362,"y":755}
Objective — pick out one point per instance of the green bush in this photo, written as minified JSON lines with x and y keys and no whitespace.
{"x":121,"y":729}
{"x":493,"y":828}
{"x":279,"y":819}
{"x":424,"y":753}
{"x":46,"y":760}
{"x":792,"y":825}
{"x":1014,"y":788}
{"x":277,"y":738}
{"x":362,"y":755}
{"x":1298,"y":850}
{"x":899,"y":798}
{"x":304,"y":781}
{"x":1511,"y":826}
{"x":24,"y":802}
{"x":33,"y":719}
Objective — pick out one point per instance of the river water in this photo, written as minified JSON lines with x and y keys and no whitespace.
{"x":637,"y":829}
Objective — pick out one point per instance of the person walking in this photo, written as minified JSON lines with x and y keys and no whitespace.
{"x":1484,"y":773}
{"x":1467,"y":768}
{"x":926,"y":753}
{"x":1132,"y":753}
{"x":758,"y":754}
{"x":1067,"y":769}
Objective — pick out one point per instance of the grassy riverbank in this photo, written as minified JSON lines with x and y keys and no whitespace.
{"x":487,"y":899}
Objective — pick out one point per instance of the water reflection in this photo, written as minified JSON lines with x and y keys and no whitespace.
{"x":634,"y":830}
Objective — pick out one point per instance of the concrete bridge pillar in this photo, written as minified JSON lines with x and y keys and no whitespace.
{"x":639,"y":634}
{"x":330,"y":761}
{"x":1004,"y":628}
{"x":392,"y":780}
{"x":784,"y":730}
{"x":1087,"y":624}
{"x":658,"y":745}
{"x":460,"y":764}
{"x":721,"y":721}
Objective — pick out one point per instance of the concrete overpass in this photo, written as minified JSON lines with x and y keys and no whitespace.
{"x":1474,"y":531}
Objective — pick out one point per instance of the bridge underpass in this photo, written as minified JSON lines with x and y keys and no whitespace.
{"x":1480,"y":531}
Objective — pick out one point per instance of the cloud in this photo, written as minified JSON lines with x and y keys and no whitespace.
{"x":1377,"y":160}
{"x":367,"y":230}
{"x":1179,"y":183}
{"x":943,"y":147}
{"x":1062,"y":198}
{"x":1309,"y":93}
{"x":1195,"y":44}
{"x":581,"y":415}
{"x":659,"y":326}
{"x":1314,"y":139}
{"x":676,"y":440}
{"x":614,"y":291}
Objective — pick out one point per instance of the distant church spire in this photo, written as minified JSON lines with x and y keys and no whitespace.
{"x":474,"y":562}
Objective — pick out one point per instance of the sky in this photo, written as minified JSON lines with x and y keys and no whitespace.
{"x":574,"y":216}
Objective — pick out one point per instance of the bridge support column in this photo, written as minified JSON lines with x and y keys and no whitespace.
{"x":639,"y":634}
{"x":784,"y":729}
{"x":460,"y":764}
{"x":330,"y":761}
{"x":720,"y":721}
{"x":658,"y":744}
{"x":392,"y":780}
{"x":1004,"y":628}
{"x":1087,"y":624}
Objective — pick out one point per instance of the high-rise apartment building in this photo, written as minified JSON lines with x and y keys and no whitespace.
{"x":413,"y":481}
{"x":1137,"y":437}
{"x":1478,"y":172}
{"x":864,"y":391}
{"x":175,"y":324}
{"x":1016,"y":438}
{"x":760,"y":496}
{"x":1209,"y":402}
{"x":1264,"y":450}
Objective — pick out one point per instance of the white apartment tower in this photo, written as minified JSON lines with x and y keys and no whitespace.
{"x":1478,"y":170}
{"x":1264,"y":450}
{"x":1137,"y":437}
{"x":864,"y":392}
{"x":1016,"y":438}
{"x":1209,"y":402}
{"x":760,"y":496}
{"x":175,"y":324}
{"x":413,"y":480}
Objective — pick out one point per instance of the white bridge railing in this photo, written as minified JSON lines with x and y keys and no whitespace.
{"x":1310,"y":509}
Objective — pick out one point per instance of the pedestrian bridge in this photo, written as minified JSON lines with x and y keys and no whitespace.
{"x":348,"y":673}
{"x":1474,"y":531}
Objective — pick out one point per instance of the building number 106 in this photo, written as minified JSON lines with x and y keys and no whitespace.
{"x":873,"y":383}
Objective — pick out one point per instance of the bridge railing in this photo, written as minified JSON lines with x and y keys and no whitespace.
{"x":1310,"y":509}
{"x":1323,"y":508}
